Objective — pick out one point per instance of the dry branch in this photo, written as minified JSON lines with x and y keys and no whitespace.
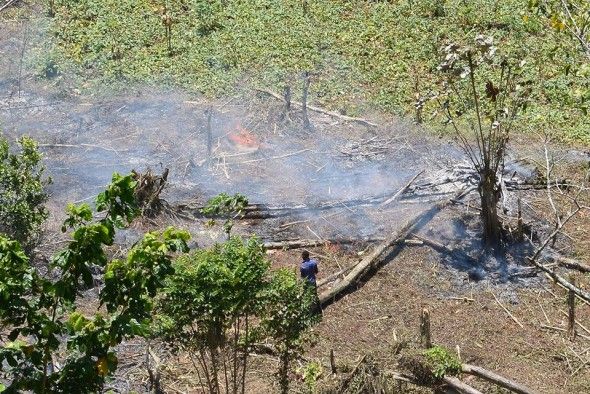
{"x":402,"y":190}
{"x":572,"y":264}
{"x":321,"y":110}
{"x":460,"y":386}
{"x":508,"y":312}
{"x":372,"y":260}
{"x":496,"y":379}
{"x":8,"y":4}
{"x":335,"y":275}
{"x":445,"y":249}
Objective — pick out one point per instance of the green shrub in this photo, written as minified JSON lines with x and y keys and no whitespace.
{"x":22,"y":192}
{"x":39,"y":313}
{"x":443,"y":362}
{"x":209,"y":306}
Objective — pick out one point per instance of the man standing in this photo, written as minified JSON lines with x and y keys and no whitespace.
{"x":308,"y":270}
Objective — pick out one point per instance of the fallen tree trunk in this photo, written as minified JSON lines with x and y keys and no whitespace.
{"x":310,"y":243}
{"x":496,"y":379}
{"x":320,"y":110}
{"x":372,"y":259}
{"x":335,"y":275}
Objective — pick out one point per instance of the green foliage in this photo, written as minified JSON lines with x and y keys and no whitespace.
{"x":227,"y":206}
{"x":22,"y":194}
{"x":287,"y":317}
{"x":208,"y":305}
{"x":287,"y":313}
{"x":41,"y":312}
{"x":360,"y":52}
{"x":312,"y":371}
{"x":443,"y":362}
{"x":223,"y":204}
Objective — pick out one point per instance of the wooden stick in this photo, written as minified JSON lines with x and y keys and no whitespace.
{"x":571,"y":303}
{"x":332,"y":362}
{"x":460,"y":386}
{"x":563,"y":330}
{"x":507,"y":311}
{"x":496,"y":379}
{"x":583,"y":295}
{"x":80,"y":146}
{"x":8,"y":4}
{"x":320,"y":110}
{"x":402,"y":190}
{"x":335,"y":275}
{"x":578,"y":323}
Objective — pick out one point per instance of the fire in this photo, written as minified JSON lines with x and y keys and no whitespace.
{"x":243,"y":137}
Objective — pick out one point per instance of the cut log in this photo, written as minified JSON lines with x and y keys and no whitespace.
{"x":335,"y":275}
{"x":310,"y":243}
{"x":372,"y":260}
{"x":496,"y":379}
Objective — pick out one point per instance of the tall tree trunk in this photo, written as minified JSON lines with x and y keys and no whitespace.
{"x":284,"y":372}
{"x":490,"y":195}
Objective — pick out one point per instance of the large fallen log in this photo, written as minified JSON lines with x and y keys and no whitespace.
{"x":310,"y":243}
{"x":496,"y":379}
{"x":335,"y":275}
{"x":373,"y":259}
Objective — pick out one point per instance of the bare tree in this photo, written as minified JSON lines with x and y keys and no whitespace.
{"x":481,"y":96}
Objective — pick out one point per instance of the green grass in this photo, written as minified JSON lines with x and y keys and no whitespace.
{"x":364,"y":54}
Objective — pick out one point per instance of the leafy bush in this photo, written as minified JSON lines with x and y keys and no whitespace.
{"x":209,"y":305}
{"x":41,"y":315}
{"x":444,"y":363}
{"x":286,"y":317}
{"x":226,"y":206}
{"x":22,"y":192}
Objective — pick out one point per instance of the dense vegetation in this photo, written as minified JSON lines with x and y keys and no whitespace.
{"x":360,"y":53}
{"x":213,"y":302}
{"x":22,"y":194}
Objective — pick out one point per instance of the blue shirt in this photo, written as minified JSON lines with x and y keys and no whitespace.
{"x":308,"y":270}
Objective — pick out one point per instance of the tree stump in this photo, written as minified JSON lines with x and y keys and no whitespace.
{"x":425,"y":340}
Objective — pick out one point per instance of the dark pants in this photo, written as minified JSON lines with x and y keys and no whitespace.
{"x":315,"y":307}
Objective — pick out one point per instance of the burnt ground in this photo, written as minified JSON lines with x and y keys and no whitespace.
{"x":85,"y":137}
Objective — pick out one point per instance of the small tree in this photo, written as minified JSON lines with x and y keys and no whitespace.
{"x":483,"y":93}
{"x":287,"y":316}
{"x":208,"y":307}
{"x":40,"y":313}
{"x":22,"y":192}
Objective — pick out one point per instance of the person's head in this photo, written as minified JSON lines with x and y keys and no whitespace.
{"x":305,"y":255}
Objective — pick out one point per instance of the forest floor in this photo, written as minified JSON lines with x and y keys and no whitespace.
{"x":85,"y":138}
